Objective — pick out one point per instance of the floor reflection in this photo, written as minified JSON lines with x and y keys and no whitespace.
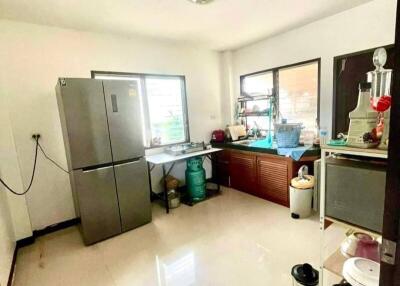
{"x":177,"y":272}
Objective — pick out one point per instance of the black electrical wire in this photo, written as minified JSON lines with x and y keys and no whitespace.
{"x":32,"y":177}
{"x":51,"y":160}
{"x":37,"y":147}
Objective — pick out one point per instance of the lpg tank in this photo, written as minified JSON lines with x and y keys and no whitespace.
{"x":196,"y":179}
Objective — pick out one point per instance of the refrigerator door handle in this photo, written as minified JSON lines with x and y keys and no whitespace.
{"x":114,"y":103}
{"x":96,"y":169}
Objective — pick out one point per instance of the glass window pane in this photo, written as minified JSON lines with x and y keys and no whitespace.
{"x":163,"y":105}
{"x":165,"y":102}
{"x":298,"y":94}
{"x":258,"y":84}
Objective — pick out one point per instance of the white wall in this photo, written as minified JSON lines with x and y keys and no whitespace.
{"x":33,"y":57}
{"x":227,"y":87}
{"x":7,"y":231}
{"x":7,"y":240}
{"x":364,"y":27}
{"x":14,"y":218}
{"x":10,"y":172}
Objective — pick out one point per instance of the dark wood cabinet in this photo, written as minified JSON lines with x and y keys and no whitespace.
{"x":220,"y":167}
{"x":243,"y":172}
{"x":272,"y":179}
{"x":263,"y":175}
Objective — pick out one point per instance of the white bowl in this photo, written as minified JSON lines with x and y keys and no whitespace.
{"x":361,"y":272}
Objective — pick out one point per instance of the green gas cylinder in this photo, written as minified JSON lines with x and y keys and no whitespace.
{"x":196,"y":179}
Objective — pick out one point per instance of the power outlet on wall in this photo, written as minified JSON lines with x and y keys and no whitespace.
{"x":36,"y":136}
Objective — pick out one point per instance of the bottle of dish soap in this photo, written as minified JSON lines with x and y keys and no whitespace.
{"x":363,"y":120}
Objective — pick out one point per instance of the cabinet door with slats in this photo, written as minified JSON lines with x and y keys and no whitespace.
{"x":243,"y":172}
{"x":272,"y":180}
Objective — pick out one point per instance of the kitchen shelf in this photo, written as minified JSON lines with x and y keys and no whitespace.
{"x":245,"y":100}
{"x":255,"y":98}
{"x":371,"y":152}
{"x":334,"y":263}
{"x":354,"y":227}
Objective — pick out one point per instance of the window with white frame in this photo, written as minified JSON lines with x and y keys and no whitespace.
{"x":164,"y":110}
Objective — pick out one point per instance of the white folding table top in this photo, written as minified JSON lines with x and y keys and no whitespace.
{"x":163,"y":158}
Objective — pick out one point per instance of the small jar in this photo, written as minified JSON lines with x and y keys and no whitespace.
{"x":174,"y":199}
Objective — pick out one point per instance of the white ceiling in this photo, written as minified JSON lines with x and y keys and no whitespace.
{"x":220,"y":25}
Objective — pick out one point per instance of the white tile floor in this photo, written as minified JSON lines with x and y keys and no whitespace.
{"x":232,"y":239}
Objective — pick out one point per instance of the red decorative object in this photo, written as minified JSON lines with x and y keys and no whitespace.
{"x":382,"y":104}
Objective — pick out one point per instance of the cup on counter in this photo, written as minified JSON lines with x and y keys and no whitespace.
{"x":323,"y":136}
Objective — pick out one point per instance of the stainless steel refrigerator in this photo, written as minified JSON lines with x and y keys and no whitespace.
{"x":102,"y":130}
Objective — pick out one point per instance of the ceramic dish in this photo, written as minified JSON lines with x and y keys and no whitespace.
{"x":361,"y":244}
{"x":361,"y":272}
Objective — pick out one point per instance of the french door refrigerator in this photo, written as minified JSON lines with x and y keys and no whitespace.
{"x":102,"y":130}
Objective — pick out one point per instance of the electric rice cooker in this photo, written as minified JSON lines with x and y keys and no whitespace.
{"x":218,"y":136}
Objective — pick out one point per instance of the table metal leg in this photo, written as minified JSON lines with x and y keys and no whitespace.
{"x":151,"y":187}
{"x":164,"y":194}
{"x":165,"y":188}
{"x":216,"y":177}
{"x":322,"y":215}
{"x":216,"y":173}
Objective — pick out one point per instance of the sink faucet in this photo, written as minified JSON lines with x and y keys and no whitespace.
{"x":256,"y":131}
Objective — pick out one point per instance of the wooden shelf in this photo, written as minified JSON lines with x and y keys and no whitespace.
{"x":335,"y":262}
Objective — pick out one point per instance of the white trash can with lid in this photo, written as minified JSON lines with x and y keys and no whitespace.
{"x":301,"y":194}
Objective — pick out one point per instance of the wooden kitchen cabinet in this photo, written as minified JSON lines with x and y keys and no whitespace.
{"x":243,"y":172}
{"x":263,"y":175}
{"x":272,"y":179}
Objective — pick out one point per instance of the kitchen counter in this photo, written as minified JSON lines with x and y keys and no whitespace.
{"x":313,"y":151}
{"x":259,"y":171}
